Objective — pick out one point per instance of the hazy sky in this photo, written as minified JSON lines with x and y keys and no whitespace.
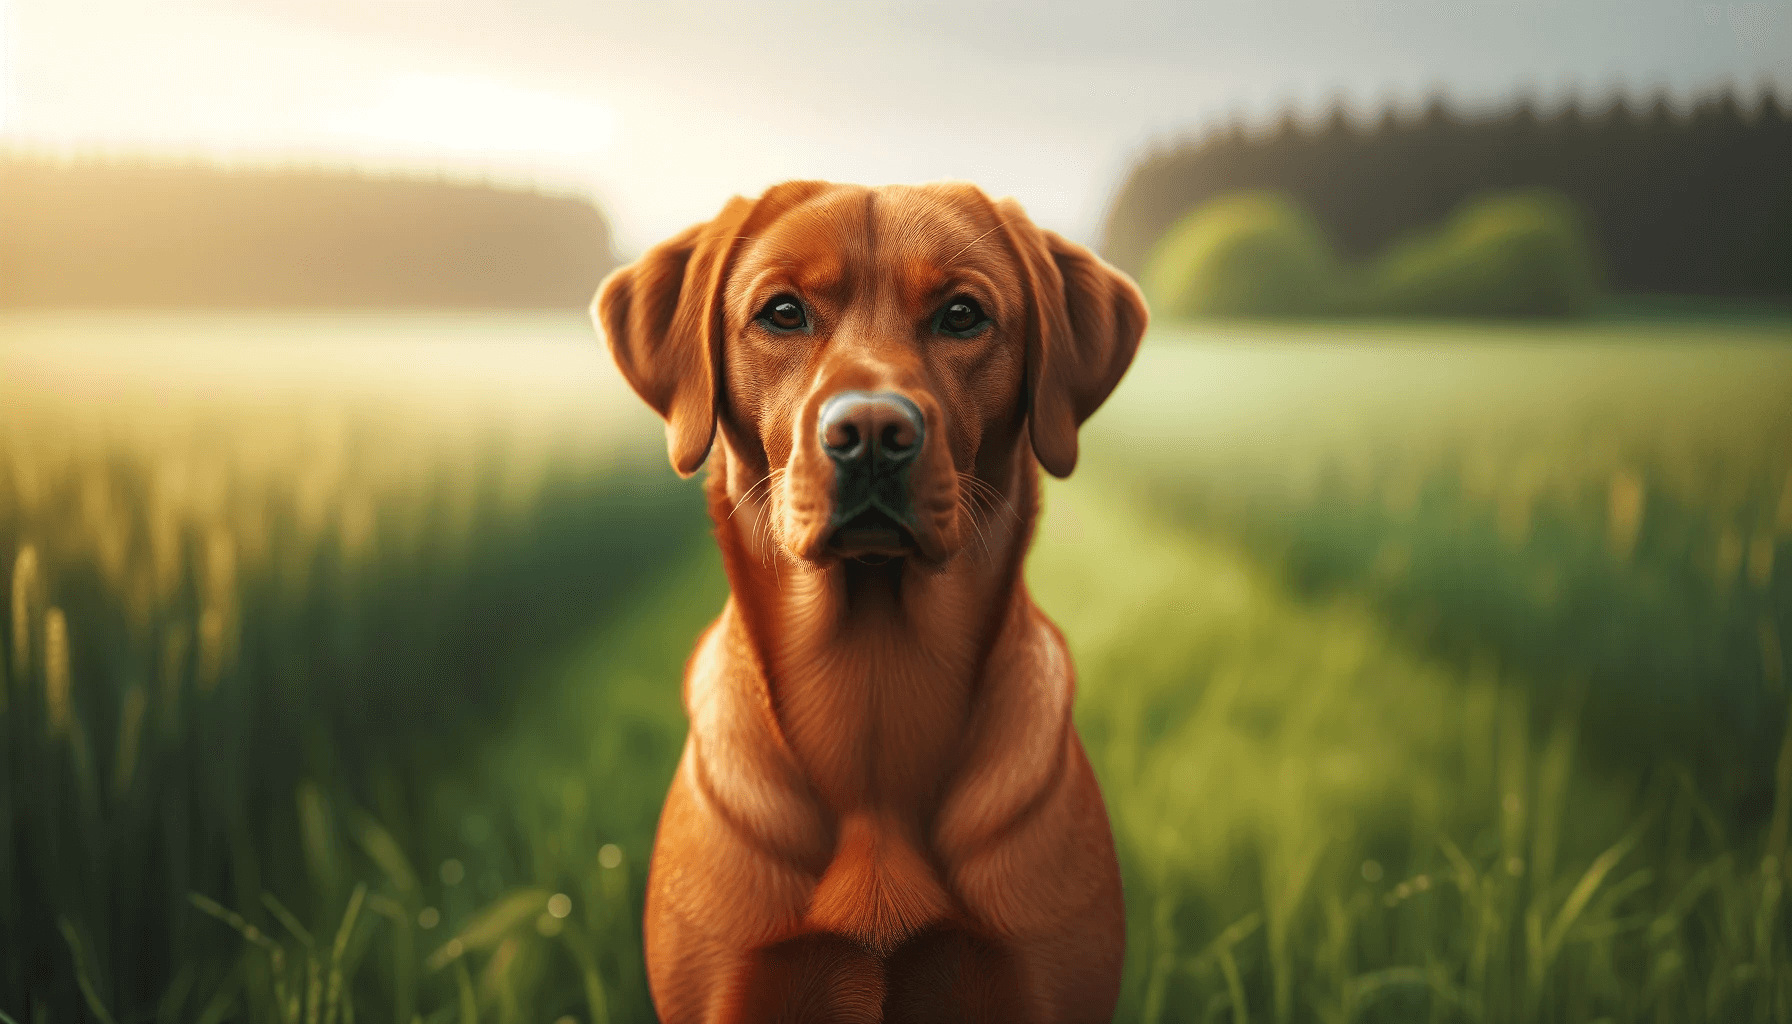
{"x":664,"y":109}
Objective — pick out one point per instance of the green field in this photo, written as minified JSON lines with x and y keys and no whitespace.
{"x":1432,"y":672}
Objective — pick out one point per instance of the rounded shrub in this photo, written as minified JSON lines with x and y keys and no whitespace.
{"x":1242,"y":254}
{"x":1508,"y":254}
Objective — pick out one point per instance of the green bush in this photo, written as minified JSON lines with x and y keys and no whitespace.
{"x":1524,"y":253}
{"x":1508,"y":254}
{"x":1242,"y":254}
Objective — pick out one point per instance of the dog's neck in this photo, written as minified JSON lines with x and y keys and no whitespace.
{"x":872,"y":671}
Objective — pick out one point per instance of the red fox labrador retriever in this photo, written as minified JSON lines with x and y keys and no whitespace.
{"x":883,"y":812}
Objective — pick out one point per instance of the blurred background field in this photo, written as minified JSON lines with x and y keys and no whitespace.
{"x":1427,"y":576}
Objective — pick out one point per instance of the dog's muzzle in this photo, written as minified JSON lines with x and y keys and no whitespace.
{"x":873,"y":439}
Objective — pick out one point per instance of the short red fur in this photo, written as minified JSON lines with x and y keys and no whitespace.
{"x":883,"y":812}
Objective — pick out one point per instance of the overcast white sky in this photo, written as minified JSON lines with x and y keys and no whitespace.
{"x":663,"y":109}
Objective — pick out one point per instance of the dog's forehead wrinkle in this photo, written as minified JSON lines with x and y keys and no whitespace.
{"x":853,"y":242}
{"x":935,"y":230}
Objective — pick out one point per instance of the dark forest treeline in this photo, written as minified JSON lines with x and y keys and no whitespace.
{"x":121,"y":233}
{"x":1692,"y":204}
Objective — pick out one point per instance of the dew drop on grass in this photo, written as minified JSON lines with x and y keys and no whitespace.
{"x":428,"y":918}
{"x":1371,"y":871}
{"x":453,"y":871}
{"x":559,"y":904}
{"x":610,"y":856}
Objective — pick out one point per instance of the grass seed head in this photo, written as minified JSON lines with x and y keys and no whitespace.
{"x":211,"y":648}
{"x":56,"y":680}
{"x":24,"y":590}
{"x":1625,"y":519}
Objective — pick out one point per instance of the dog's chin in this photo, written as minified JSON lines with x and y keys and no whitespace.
{"x":873,"y":537}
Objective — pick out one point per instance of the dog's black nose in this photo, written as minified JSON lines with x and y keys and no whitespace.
{"x":871,"y":426}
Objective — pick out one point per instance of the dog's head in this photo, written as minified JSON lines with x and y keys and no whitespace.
{"x":870,"y":354}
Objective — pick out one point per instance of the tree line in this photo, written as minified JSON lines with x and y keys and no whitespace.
{"x":138,"y":233}
{"x":1677,"y":203}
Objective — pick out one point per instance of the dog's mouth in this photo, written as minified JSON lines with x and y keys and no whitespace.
{"x":872,"y":536}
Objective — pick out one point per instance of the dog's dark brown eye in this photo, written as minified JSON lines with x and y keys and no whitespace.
{"x":961,"y":316}
{"x":784,"y":313}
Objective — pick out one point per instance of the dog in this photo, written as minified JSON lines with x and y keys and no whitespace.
{"x":882,"y":811}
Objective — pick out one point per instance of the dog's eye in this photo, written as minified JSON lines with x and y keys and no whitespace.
{"x":961,"y":316}
{"x":784,"y":313}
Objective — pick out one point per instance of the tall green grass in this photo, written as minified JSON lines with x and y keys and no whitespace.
{"x":386,"y":740}
{"x":1319,"y":822}
{"x":1607,"y":520}
{"x":235,"y":665}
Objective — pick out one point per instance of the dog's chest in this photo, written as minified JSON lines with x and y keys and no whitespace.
{"x":879,"y":889}
{"x":871,"y":736}
{"x":878,"y":731}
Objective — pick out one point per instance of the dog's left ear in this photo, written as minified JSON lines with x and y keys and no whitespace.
{"x":662,"y":317}
{"x":1084,"y":321}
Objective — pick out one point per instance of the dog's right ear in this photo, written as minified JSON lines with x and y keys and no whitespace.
{"x":662,"y":317}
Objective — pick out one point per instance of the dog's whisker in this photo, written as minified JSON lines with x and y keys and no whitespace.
{"x":990,"y":494}
{"x":999,"y":226}
{"x":769,"y":528}
{"x":771,"y":551}
{"x":764,"y":534}
{"x":970,"y":499}
{"x":982,"y":537}
{"x":988,"y":489}
{"x":749,"y":492}
{"x":977,"y":502}
{"x":967,"y":503}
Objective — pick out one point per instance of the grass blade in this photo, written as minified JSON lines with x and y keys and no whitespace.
{"x":83,"y":977}
{"x":492,"y":924}
{"x":1365,"y":988}
{"x":583,"y":953}
{"x":255,"y":936}
{"x":1221,"y":950}
{"x":469,"y":1003}
{"x":1165,"y":939}
{"x":24,"y":589}
{"x":1241,"y":1012}
{"x":385,"y":851}
{"x":233,"y":919}
{"x":287,"y":920}
{"x":315,"y":838}
{"x":314,"y":989}
{"x":403,"y":954}
{"x":1583,"y":893}
{"x":333,"y":1000}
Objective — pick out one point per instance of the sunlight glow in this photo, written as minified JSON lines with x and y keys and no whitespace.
{"x":6,"y":63}
{"x":472,"y":114}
